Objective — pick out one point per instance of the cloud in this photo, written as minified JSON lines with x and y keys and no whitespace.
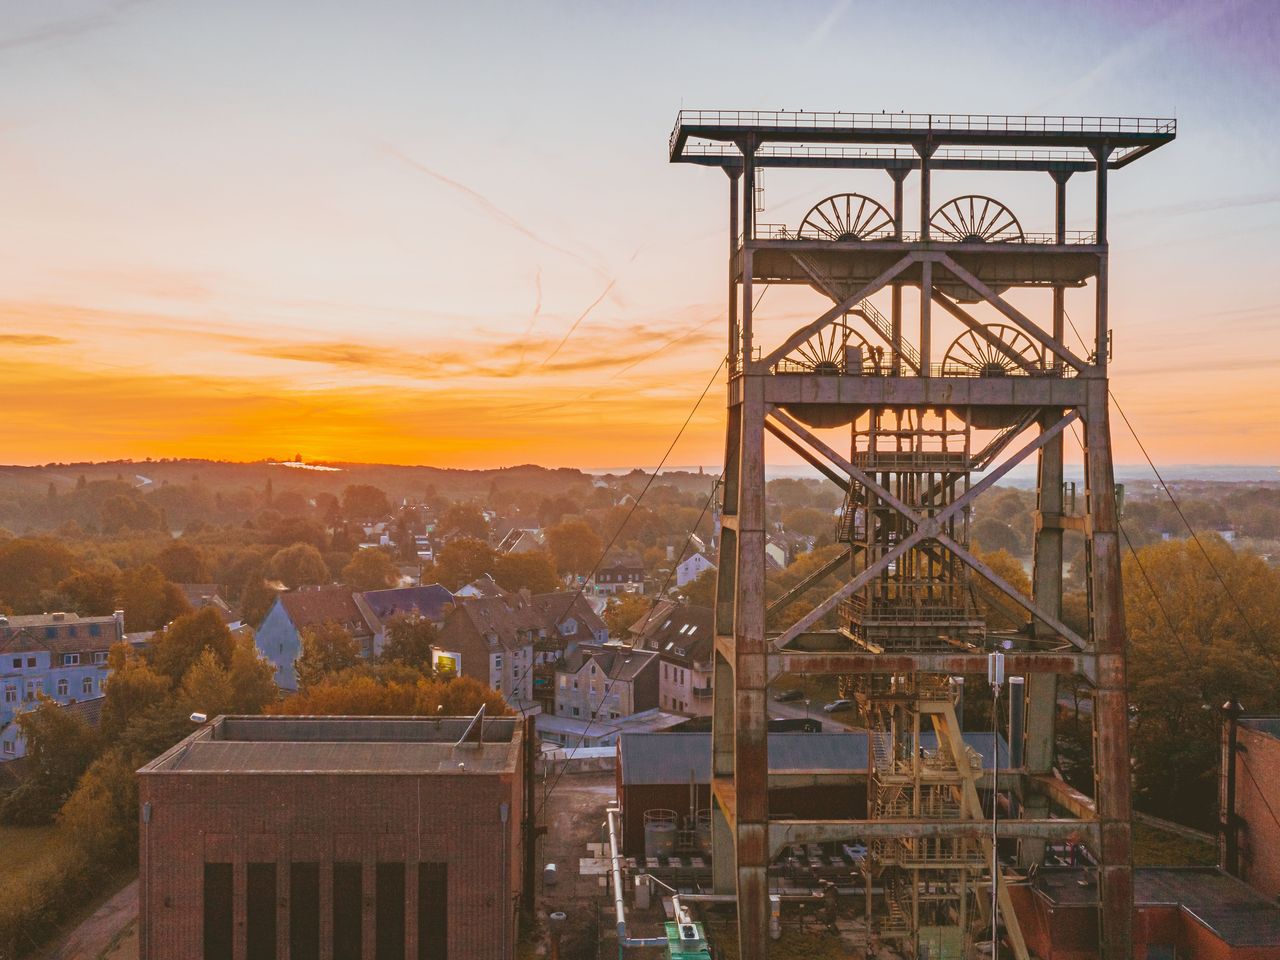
{"x":582,"y":316}
{"x":31,"y":340}
{"x":71,"y":27}
{"x":838,"y":10}
{"x":1204,"y":206}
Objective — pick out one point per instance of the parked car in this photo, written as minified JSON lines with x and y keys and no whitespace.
{"x":838,"y":706}
{"x":788,"y":696}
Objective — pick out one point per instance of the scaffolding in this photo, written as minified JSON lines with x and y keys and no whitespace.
{"x":914,"y":428}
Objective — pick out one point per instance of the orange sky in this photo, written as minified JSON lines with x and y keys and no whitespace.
{"x":231,"y":235}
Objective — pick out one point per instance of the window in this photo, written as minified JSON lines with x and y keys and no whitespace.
{"x":62,"y":686}
{"x":389,"y":912}
{"x":347,"y":896}
{"x":71,"y":659}
{"x":10,"y":694}
{"x":50,"y":632}
{"x":433,"y":911}
{"x":100,"y":656}
{"x":575,"y":711}
{"x":72,"y":631}
{"x":260,"y":911}
{"x":86,"y":685}
{"x":8,"y":746}
{"x":304,"y":911}
{"x":218,"y":916}
{"x":17,"y":663}
{"x":31,"y":661}
{"x":95,"y":629}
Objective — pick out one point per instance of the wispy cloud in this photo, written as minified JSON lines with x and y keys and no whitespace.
{"x":1205,"y":206}
{"x":582,"y":316}
{"x":70,"y":27}
{"x":31,"y":340}
{"x":487,"y":206}
{"x":838,"y":10}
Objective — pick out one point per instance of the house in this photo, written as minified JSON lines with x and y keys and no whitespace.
{"x":431,"y":602}
{"x":57,"y":655}
{"x":607,"y":682}
{"x":522,"y":540}
{"x":201,"y":595}
{"x":776,"y":553}
{"x":279,"y":638}
{"x":334,"y":837}
{"x":691,"y":568}
{"x":483,"y":586}
{"x":682,"y":636}
{"x":620,"y":573}
{"x":512,"y":642}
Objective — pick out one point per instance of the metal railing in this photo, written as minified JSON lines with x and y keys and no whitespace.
{"x":780,"y":231}
{"x":959,"y":122}
{"x":789,"y":365}
{"x":826,"y":151}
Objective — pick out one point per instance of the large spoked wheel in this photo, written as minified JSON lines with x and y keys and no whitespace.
{"x":845,"y":216}
{"x":835,"y":349}
{"x":974,"y":356}
{"x":976,"y":219}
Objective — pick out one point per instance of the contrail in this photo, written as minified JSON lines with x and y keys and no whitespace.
{"x":582,"y":316}
{"x":537,"y":310}
{"x":63,"y":29}
{"x":489,"y":207}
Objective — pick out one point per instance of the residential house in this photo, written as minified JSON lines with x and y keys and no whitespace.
{"x":279,"y":638}
{"x":57,"y":655}
{"x":431,"y":602}
{"x":482,"y":586}
{"x":682,"y":636}
{"x":692,"y":567}
{"x":620,"y":573}
{"x":201,"y":595}
{"x":513,"y":641}
{"x":607,"y":682}
{"x":522,"y":540}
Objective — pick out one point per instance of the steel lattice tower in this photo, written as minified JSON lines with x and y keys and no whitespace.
{"x":923,"y":433}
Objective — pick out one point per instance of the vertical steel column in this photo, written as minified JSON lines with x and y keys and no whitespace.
{"x":1111,"y":701}
{"x":734,"y":174}
{"x":899,"y":174}
{"x":1101,"y":323}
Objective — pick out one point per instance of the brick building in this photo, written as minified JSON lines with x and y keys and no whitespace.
{"x":1257,"y":799}
{"x":682,"y":636}
{"x":348,"y":838}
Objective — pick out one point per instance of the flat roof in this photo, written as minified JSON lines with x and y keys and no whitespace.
{"x":1229,"y":908}
{"x":653,"y":758}
{"x":343,"y":745}
{"x":803,"y":138}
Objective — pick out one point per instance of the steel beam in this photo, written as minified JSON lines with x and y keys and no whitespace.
{"x":784,"y":833}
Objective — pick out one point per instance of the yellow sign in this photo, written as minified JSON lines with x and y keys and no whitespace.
{"x":446,"y":662}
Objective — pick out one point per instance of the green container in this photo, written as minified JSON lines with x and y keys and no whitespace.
{"x":688,"y":948}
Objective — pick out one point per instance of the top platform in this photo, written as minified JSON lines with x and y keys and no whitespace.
{"x":961,"y":141}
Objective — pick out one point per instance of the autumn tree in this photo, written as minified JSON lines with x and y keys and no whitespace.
{"x":466,"y":519}
{"x":361,"y":501}
{"x":363,"y":695}
{"x":60,"y":747}
{"x":463,"y":560}
{"x":574,"y":546}
{"x":90,"y":593}
{"x":149,"y":600}
{"x":133,"y":689}
{"x":623,"y":611}
{"x":176,"y":649}
{"x":29,"y":567}
{"x":1193,"y":647}
{"x":409,"y":641}
{"x":298,"y":565}
{"x":370,"y":569}
{"x":102,"y":812}
{"x":326,"y":648}
{"x":532,"y":571}
{"x":183,"y":563}
{"x":702,"y":589}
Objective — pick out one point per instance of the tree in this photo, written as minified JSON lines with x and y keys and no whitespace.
{"x":702,"y":589}
{"x":177,"y":648}
{"x":808,"y":521}
{"x":623,"y":611}
{"x":532,"y":571}
{"x":149,"y":600}
{"x":60,"y":747}
{"x":253,"y":676}
{"x":183,"y":563}
{"x":207,"y":688}
{"x":463,"y":560}
{"x":326,"y":648}
{"x":297,"y":566}
{"x":133,"y":689}
{"x":370,"y":569}
{"x":1191,"y":650}
{"x":364,"y":695}
{"x":361,"y":501}
{"x":1000,"y":610}
{"x":91,"y":593}
{"x":127,"y":512}
{"x":466,"y":519}
{"x":102,"y":812}
{"x":575,"y":547}
{"x":409,"y":641}
{"x":28,"y":568}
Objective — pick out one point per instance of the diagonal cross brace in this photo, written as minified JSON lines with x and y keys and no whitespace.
{"x":980,"y":329}
{"x":960,"y":273}
{"x":926,"y":527}
{"x":838,"y":311}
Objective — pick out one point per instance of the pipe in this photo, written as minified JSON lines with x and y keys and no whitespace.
{"x":619,"y":908}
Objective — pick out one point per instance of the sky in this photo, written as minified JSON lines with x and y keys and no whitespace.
{"x":448,"y":233}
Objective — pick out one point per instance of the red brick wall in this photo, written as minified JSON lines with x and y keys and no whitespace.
{"x":1257,"y":785}
{"x":326,"y":818}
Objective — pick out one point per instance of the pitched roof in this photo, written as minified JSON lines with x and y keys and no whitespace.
{"x":617,"y":663}
{"x":515,"y":613}
{"x":429,"y":601}
{"x":676,"y":630}
{"x":200,"y":595}
{"x":90,"y":711}
{"x":26,"y":633}
{"x":484,"y":586}
{"x":309,"y":608}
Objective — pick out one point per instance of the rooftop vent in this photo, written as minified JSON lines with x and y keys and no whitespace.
{"x":59,"y":617}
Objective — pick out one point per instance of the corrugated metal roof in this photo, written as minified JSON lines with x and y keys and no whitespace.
{"x":668,"y":757}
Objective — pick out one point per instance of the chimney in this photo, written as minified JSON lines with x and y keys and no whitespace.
{"x":119,"y":618}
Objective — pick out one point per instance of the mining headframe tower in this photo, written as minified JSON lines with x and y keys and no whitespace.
{"x":913,"y":417}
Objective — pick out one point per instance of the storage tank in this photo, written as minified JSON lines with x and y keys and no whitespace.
{"x":660,"y":833}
